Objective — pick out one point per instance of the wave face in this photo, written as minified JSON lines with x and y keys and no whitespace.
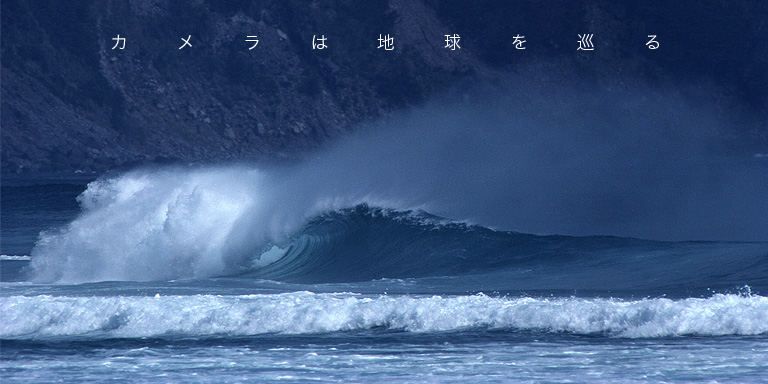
{"x":366,"y":243}
{"x":304,"y":313}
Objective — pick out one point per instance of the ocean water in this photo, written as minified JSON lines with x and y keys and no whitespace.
{"x":232,"y":274}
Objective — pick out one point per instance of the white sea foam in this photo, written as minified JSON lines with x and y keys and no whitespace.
{"x":307,"y":313}
{"x":15,"y":258}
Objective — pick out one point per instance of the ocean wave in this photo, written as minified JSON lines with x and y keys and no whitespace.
{"x":34,"y":317}
{"x":168,"y":224}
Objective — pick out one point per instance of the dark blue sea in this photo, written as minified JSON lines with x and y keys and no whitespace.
{"x":233,"y":274}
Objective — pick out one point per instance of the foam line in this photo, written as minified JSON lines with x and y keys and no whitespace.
{"x":29,"y":317}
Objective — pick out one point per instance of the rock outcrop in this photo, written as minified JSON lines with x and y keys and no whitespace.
{"x":71,"y":102}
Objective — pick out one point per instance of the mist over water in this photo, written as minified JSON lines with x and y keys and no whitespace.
{"x":624,"y":162}
{"x":635,"y":162}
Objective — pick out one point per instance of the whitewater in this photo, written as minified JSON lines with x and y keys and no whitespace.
{"x":307,"y":313}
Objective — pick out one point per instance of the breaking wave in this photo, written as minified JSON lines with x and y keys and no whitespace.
{"x":245,"y":223}
{"x":306,"y":313}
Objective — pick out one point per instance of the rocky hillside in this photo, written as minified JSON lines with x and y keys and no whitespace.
{"x":70,"y":102}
